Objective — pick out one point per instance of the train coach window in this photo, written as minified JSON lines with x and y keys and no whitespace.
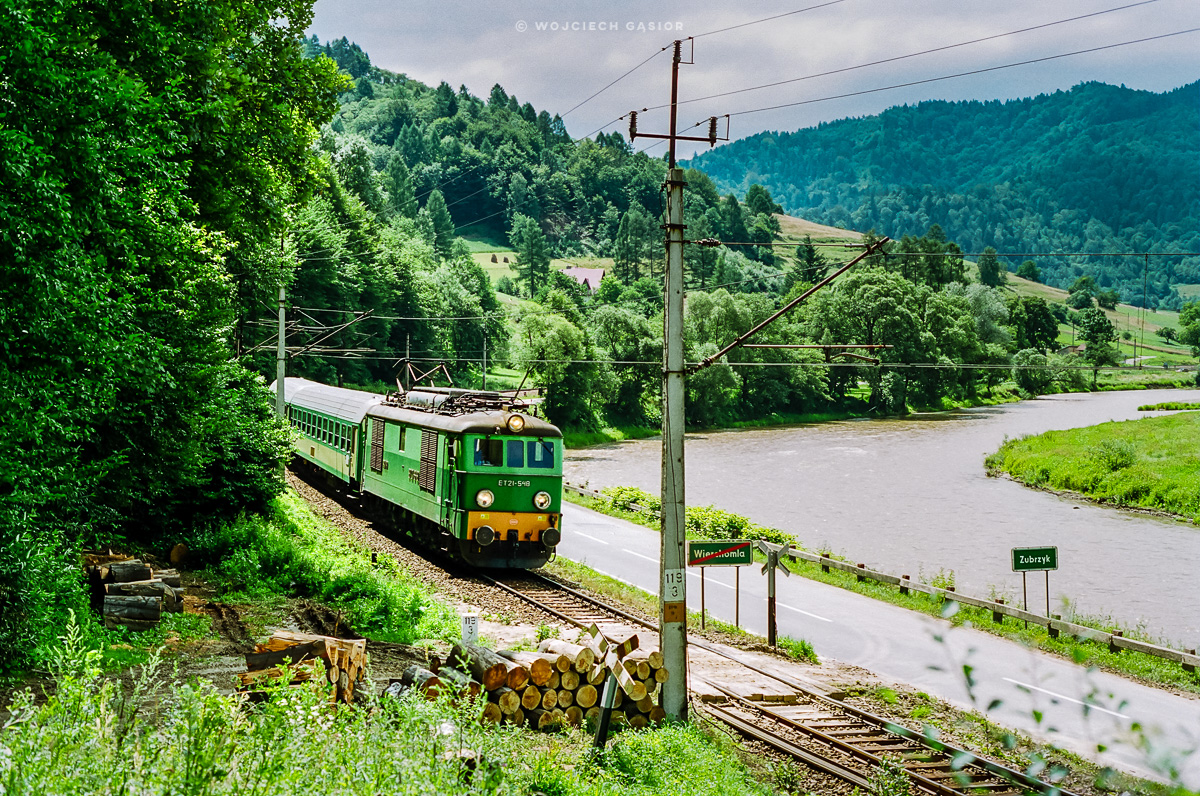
{"x":400,"y":446}
{"x":516,"y":453}
{"x":489,"y":452}
{"x":541,"y":454}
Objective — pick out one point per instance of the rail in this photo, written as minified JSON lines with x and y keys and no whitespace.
{"x":1055,"y":625}
{"x":934,"y":767}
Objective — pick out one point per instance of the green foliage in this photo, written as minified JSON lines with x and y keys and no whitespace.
{"x":291,"y":552}
{"x":991,"y":174}
{"x":1113,"y":454}
{"x":1029,"y":270}
{"x":1031,"y":371}
{"x":991,"y":272}
{"x":799,"y":649}
{"x":700,"y":522}
{"x":148,"y":173}
{"x":890,"y":779}
{"x":1168,"y":406}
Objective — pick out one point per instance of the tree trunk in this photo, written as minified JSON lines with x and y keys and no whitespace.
{"x":582,"y":657}
{"x":539,"y":665}
{"x":457,"y":682}
{"x":484,"y":665}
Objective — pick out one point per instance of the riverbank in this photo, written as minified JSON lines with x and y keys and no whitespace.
{"x":1148,"y":464}
{"x":1133,"y":379}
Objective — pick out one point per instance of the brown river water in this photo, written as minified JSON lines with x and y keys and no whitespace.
{"x":910,"y":496}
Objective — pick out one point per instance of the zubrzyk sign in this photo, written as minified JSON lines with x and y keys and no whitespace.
{"x":1034,"y":559}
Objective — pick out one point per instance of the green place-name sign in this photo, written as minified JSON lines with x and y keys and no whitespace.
{"x":1034,"y":559}
{"x":730,"y":552}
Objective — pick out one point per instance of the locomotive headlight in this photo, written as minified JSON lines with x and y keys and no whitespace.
{"x":516,"y":424}
{"x":484,"y":498}
{"x":541,"y":500}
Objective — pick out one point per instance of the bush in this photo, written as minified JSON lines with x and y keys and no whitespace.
{"x":1030,"y":371}
{"x":1113,"y":454}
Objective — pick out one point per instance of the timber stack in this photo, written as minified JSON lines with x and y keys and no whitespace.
{"x":130,"y":593}
{"x":333,"y":663}
{"x":559,"y":684}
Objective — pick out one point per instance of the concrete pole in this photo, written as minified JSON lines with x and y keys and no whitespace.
{"x":673,"y":609}
{"x":281,"y":357}
{"x":772,"y":560}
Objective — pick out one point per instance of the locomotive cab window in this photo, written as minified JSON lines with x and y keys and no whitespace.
{"x":489,"y":452}
{"x":400,"y":444}
{"x":540,"y":454}
{"x":516,"y":453}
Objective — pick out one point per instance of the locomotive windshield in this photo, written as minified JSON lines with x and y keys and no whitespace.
{"x":514,"y":453}
{"x":489,"y":452}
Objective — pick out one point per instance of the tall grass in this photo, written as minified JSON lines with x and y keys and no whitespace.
{"x":91,"y":737}
{"x":292,"y":552}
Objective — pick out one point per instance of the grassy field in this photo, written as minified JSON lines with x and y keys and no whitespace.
{"x":1152,"y":463}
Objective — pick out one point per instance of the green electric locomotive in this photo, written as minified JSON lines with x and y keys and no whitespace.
{"x":470,"y":472}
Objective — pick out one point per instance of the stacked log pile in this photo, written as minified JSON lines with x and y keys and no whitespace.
{"x":333,"y":662}
{"x":560,"y":684}
{"x":130,"y":593}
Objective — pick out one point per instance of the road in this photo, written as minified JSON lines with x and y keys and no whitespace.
{"x":1013,"y":685}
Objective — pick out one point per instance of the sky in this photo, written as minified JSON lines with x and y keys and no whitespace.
{"x":557,"y":54}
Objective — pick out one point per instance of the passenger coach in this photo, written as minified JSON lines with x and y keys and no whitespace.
{"x":470,"y":472}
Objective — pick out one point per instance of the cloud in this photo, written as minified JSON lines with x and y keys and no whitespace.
{"x":556,"y":54}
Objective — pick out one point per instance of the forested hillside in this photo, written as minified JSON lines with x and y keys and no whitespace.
{"x":1098,"y":168}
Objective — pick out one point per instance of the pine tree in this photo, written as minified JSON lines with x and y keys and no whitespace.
{"x":397,"y":180}
{"x":443,"y":224}
{"x":533,"y":254}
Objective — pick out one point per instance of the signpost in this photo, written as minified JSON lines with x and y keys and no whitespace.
{"x":772,"y":552}
{"x":722,"y":553}
{"x":1034,"y":559}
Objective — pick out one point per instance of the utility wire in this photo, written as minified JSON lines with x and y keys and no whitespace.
{"x":579,"y":105}
{"x":959,"y":74}
{"x":902,"y":57}
{"x":765,"y":19}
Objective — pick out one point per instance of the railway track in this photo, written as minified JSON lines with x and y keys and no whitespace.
{"x":818,"y":731}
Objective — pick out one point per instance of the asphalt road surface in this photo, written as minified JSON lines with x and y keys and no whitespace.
{"x":1043,"y":696}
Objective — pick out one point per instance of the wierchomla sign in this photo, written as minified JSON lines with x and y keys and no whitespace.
{"x":731,"y":552}
{"x":1034,"y":559}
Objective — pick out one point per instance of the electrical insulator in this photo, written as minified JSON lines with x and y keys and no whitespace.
{"x":632,"y":125}
{"x":712,"y":131}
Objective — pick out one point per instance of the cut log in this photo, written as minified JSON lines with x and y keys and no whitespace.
{"x":555,"y":679}
{"x":491,"y":713}
{"x":585,"y":696}
{"x":661,"y":675}
{"x":618,"y":698}
{"x":634,"y":690}
{"x":508,"y":700}
{"x":332,"y":674}
{"x":531,"y":697}
{"x":596,"y":675}
{"x":517,"y":717}
{"x":639,"y":721}
{"x":539,"y":665}
{"x":484,"y":665}
{"x":569,"y":680}
{"x":650,"y":656}
{"x":541,"y":719}
{"x":420,"y":678}
{"x":549,"y":698}
{"x":565,"y":698}
{"x":518,"y":675}
{"x":294,"y":653}
{"x":169,"y":577}
{"x":646,"y":704}
{"x":126,"y":571}
{"x":582,"y":658}
{"x":657,"y":714}
{"x":574,"y":715}
{"x":457,"y":682}
{"x":643,"y":670}
{"x":122,"y":607}
{"x":591,"y":714}
{"x":305,"y":672}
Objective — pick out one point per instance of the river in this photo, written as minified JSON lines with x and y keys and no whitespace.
{"x":910,"y":496}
